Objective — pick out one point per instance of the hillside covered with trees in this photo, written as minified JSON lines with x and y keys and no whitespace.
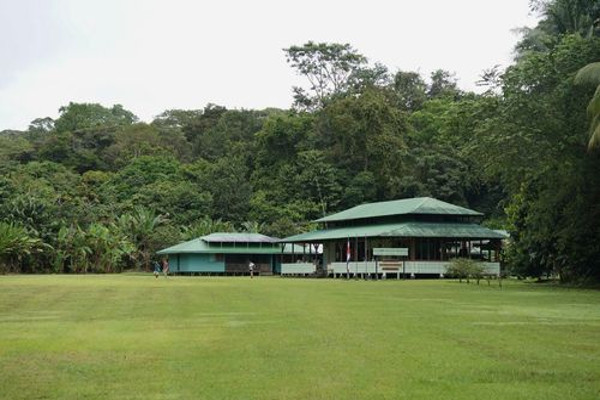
{"x":96,"y":190}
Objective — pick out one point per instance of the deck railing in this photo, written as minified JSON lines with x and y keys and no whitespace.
{"x":385,"y":268}
{"x":398,"y":268}
{"x":298,"y":269}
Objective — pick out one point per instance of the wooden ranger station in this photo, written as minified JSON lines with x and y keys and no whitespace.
{"x":414,"y":237}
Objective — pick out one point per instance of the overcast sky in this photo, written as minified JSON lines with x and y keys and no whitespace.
{"x":154,"y":55}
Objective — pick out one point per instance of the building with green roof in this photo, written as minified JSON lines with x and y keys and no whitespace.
{"x":231,"y":254}
{"x":418,"y":235}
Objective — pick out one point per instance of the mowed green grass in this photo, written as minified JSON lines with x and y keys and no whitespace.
{"x":136,"y":337}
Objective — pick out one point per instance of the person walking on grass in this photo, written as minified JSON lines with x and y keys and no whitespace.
{"x":156,"y":269}
{"x":165,"y":267}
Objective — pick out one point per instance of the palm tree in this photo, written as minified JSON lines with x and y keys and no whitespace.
{"x":253,"y":227}
{"x":559,"y":17}
{"x":206,"y":226}
{"x":590,"y":75}
{"x":139,"y":227}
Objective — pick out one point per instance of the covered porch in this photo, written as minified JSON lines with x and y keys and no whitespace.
{"x":430,"y":247}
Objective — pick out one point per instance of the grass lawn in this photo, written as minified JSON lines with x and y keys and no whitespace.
{"x":136,"y":337}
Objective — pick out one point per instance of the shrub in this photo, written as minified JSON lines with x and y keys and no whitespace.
{"x":465,"y":268}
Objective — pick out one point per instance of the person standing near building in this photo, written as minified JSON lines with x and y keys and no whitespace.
{"x":251,"y":268}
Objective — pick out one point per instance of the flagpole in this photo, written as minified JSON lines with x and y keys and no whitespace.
{"x":366,"y":257}
{"x":356,"y":255}
{"x":348,"y":258}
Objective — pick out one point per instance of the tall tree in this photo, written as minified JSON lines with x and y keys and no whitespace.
{"x":568,"y":16}
{"x":410,"y":90}
{"x":81,"y":116}
{"x":443,"y":84}
{"x":558,"y":18}
{"x":330,"y":68}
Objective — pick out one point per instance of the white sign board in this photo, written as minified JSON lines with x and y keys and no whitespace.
{"x":397,"y":251}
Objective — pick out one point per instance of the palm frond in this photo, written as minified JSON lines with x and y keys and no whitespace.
{"x":593,"y":107}
{"x":588,"y":75}
{"x":594,"y":138}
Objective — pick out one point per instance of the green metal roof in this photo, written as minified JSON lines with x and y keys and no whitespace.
{"x":234,"y":237}
{"x":418,"y":205}
{"x":199,"y":245}
{"x":404,"y":229}
{"x":445,"y":230}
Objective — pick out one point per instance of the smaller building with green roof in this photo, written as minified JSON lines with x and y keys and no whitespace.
{"x":231,"y":254}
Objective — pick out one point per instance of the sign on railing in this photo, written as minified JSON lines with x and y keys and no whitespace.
{"x":397,"y":251}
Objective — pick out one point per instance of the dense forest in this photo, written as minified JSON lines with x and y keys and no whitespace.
{"x":96,"y":190}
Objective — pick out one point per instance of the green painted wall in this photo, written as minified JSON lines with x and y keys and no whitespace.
{"x":196,"y":263}
{"x":191,"y":263}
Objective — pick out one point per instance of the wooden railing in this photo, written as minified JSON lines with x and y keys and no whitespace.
{"x":298,"y":269}
{"x":397,"y":267}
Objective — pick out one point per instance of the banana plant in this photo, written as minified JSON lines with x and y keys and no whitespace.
{"x":16,"y":243}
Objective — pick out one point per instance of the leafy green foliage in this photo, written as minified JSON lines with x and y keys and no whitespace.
{"x":332,"y":69}
{"x":142,"y":228}
{"x":443,"y":84}
{"x":410,"y":90}
{"x":205,"y":227}
{"x":15,"y":148}
{"x":465,"y":268}
{"x":590,"y":75}
{"x":16,"y":244}
{"x":85,"y":116}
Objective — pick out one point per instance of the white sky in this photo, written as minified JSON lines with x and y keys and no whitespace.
{"x":154,"y":55}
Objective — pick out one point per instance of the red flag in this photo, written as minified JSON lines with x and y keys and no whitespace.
{"x":348,"y":253}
